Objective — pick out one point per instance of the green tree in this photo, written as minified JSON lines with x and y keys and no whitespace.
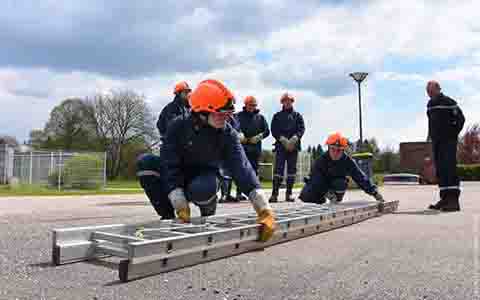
{"x":67,"y":127}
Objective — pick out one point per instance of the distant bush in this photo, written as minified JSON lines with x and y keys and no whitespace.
{"x":82,"y":171}
{"x":469,"y":172}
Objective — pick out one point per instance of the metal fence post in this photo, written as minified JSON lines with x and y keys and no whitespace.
{"x":51,"y":164}
{"x":59,"y":170}
{"x":5,"y":169}
{"x":105,"y":169}
{"x":30,"y":174}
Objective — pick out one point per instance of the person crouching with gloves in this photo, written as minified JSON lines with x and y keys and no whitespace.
{"x":193,"y":151}
{"x":329,"y":175}
{"x":287,"y":128}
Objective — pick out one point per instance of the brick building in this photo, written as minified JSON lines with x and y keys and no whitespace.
{"x":416,"y":157}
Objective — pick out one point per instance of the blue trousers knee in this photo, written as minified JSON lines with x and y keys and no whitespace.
{"x":314,"y":191}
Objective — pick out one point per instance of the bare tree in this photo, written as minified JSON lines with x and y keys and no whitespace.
{"x":99,"y":119}
{"x":119,"y":118}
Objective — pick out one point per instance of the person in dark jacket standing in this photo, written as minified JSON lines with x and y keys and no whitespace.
{"x":329,"y":175}
{"x":194,"y":149}
{"x":287,"y":128}
{"x":226,"y":184}
{"x":445,"y":121}
{"x":253,"y":129}
{"x":178,"y":107}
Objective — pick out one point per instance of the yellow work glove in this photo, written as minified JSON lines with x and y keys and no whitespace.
{"x":265,"y":215}
{"x":267,"y":219}
{"x":180,"y":204}
{"x":184,"y":214}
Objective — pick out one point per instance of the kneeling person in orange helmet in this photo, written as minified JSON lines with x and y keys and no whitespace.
{"x":329,"y":174}
{"x":193,"y":151}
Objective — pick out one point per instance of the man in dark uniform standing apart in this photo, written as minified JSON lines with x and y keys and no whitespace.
{"x":445,"y":121}
{"x":287,"y":128}
{"x":178,"y":107}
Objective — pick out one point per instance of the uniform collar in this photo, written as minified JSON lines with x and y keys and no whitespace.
{"x":179,"y":100}
{"x":256,"y":111}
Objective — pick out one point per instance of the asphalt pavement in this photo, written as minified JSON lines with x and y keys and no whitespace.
{"x":412,"y":254}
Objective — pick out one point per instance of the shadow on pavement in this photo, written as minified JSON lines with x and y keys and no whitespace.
{"x":125,"y":203}
{"x":43,"y":265}
{"x":418,"y":212}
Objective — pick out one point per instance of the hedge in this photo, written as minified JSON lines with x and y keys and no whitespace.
{"x":469,"y":172}
{"x":82,"y":171}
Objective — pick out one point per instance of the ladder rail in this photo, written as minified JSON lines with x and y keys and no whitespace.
{"x":165,"y":245}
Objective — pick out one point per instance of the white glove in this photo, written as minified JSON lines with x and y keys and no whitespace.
{"x":258,"y":200}
{"x":294,"y":140}
{"x":332,"y":197}
{"x":256,"y":139}
{"x":180,"y":204}
{"x":378,"y":197}
{"x":284,"y":141}
{"x":292,"y":143}
{"x":242,"y":138}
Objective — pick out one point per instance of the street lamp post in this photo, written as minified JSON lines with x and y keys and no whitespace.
{"x":359,"y":77}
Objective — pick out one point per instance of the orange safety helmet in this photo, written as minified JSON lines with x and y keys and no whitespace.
{"x":286,"y":96}
{"x":180,"y":87}
{"x":249,"y":99}
{"x":211,"y":96}
{"x":336,"y":139}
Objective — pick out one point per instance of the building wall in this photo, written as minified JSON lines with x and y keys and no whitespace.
{"x":6,"y":163}
{"x":413,"y":155}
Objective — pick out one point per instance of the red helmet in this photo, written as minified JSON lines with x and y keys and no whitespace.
{"x":180,"y":87}
{"x":336,"y":139}
{"x":212,"y":96}
{"x":286,"y":96}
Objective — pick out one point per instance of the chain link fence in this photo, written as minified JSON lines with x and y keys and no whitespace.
{"x":61,"y":170}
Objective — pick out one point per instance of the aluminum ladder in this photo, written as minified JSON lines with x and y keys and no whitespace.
{"x":140,"y":250}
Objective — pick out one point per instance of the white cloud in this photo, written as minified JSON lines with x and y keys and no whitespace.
{"x":311,"y":56}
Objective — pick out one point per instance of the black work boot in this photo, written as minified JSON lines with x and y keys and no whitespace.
{"x":452,"y":203}
{"x":226,"y":189}
{"x":441,"y":202}
{"x":288,"y":197}
{"x":275,"y":188}
{"x":339,"y":196}
{"x":288,"y":194}
{"x":240,"y":197}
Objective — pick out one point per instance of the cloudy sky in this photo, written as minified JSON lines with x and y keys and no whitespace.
{"x":51,"y":50}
